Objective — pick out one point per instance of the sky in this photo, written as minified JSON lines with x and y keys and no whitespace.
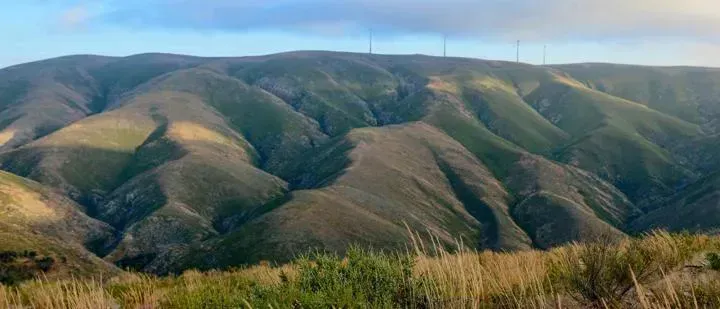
{"x":647,"y":32}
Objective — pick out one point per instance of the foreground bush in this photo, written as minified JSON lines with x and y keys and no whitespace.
{"x":606,"y":269}
{"x":361,"y":278}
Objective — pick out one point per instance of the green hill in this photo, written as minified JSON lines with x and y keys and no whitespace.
{"x":37,"y":220}
{"x":214,"y":162}
{"x":694,"y":208}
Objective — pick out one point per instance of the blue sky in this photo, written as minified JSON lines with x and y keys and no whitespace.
{"x":654,"y":32}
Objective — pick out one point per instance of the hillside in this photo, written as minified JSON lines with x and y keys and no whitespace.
{"x":37,"y":220}
{"x":216,"y":162}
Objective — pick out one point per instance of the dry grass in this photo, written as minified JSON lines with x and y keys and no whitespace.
{"x":468,"y":279}
{"x":657,"y":272}
{"x":43,"y":294}
{"x":671,"y":294}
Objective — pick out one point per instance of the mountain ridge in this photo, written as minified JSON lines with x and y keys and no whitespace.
{"x":189,"y":159}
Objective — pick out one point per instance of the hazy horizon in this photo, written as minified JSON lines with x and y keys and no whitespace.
{"x":365,"y":53}
{"x":642,"y":32}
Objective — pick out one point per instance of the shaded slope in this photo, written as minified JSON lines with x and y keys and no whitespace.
{"x":115,"y":79}
{"x":416,"y":175}
{"x":156,"y":162}
{"x":41,"y":97}
{"x":685,"y":92}
{"x":531,"y":177}
{"x":559,"y":203}
{"x":622,"y":141}
{"x":695,"y":208}
{"x":34,"y":218}
{"x":324,"y":89}
{"x":86,"y":158}
{"x":207,"y":185}
{"x":498,"y":105}
{"x":395,"y":176}
{"x":701,"y":154}
{"x":276,"y":131}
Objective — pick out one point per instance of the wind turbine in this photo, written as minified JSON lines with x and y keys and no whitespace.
{"x":444,"y":45}
{"x":371,"y":41}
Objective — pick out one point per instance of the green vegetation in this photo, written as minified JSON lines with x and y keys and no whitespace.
{"x":622,"y":273}
{"x":20,"y":266}
{"x":714,"y":260}
{"x":606,"y":270}
{"x":167,"y":162}
{"x":681,"y":92}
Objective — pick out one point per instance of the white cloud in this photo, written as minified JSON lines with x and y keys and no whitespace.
{"x":74,"y":17}
{"x":703,"y":54}
{"x":489,"y":19}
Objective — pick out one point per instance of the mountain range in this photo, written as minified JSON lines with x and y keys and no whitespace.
{"x":161,"y":162}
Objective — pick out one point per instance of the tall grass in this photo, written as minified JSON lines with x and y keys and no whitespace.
{"x":649,"y":272}
{"x":605,"y":270}
{"x":43,"y":294}
{"x":469,"y":279}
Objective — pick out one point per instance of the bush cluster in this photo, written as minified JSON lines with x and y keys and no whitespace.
{"x":16,"y":267}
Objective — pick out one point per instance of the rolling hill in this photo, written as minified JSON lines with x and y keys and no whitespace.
{"x":164,"y":162}
{"x":36,"y":219}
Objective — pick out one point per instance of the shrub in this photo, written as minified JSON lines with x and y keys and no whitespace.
{"x":601,"y":270}
{"x":362,"y":278}
{"x":714,"y":260}
{"x":16,"y":267}
{"x":45,"y":264}
{"x":592,"y":272}
{"x":7,"y":256}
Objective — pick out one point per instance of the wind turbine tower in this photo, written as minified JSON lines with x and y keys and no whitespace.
{"x":371,"y":41}
{"x":445,"y":45}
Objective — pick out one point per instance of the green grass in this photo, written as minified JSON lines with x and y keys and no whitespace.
{"x":673,"y":91}
{"x":497,"y":153}
{"x":498,"y":105}
{"x":649,"y":172}
{"x":692,"y":208}
{"x":623,"y":273}
{"x":605,"y":129}
{"x":35,"y":218}
{"x":70,"y":259}
{"x":277,"y":131}
{"x":93,"y":153}
{"x":12,"y":91}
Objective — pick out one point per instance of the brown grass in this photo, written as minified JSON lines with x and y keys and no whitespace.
{"x":467,"y":279}
{"x":660,"y":278}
